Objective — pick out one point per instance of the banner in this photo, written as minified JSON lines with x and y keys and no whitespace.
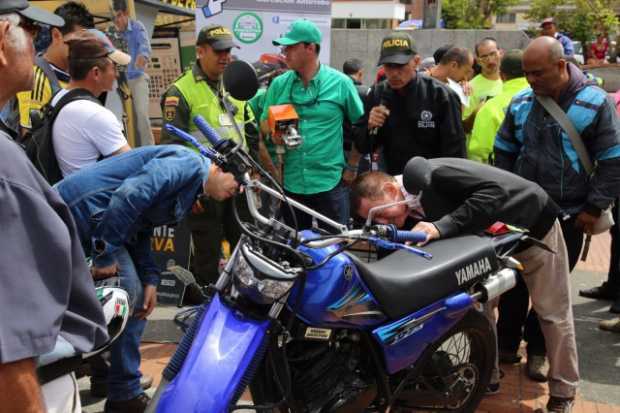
{"x":256,"y":23}
{"x":171,"y":246}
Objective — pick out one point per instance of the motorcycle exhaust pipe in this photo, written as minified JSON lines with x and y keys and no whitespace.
{"x":496,"y":285}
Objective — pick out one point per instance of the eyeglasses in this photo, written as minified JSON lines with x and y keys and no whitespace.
{"x":30,"y":27}
{"x":310,"y":98}
{"x":494,"y":53}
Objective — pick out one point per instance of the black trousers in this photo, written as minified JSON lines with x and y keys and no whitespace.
{"x":515,"y":321}
{"x":209,"y":228}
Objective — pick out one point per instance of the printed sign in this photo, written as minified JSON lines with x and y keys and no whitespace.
{"x":170,"y":246}
{"x":256,"y":23}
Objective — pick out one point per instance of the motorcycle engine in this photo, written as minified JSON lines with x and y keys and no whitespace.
{"x":331,"y":376}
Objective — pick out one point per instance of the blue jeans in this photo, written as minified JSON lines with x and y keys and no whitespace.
{"x":333,"y":204}
{"x":124,"y":375}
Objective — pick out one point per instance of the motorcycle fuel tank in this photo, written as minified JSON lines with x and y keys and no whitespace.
{"x":334,"y":294}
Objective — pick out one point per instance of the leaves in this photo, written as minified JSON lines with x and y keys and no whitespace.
{"x":473,"y":14}
{"x":580,"y":19}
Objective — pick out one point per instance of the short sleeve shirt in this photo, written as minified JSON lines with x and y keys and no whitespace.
{"x":316,"y":166}
{"x":482,"y":89}
{"x":83,"y":132}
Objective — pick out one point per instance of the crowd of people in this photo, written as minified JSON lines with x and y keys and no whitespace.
{"x":477,"y":125}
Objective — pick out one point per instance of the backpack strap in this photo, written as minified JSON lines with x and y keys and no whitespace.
{"x":71,"y":96}
{"x":562,"y":119}
{"x":48,"y":71}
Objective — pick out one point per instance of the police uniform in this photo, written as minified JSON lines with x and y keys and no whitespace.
{"x":194,"y":93}
{"x":424,"y":119}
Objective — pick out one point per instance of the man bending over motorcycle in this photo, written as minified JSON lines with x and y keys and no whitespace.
{"x":451,"y":196}
{"x":116,"y":204}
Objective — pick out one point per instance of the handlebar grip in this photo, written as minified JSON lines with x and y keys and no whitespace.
{"x":173,"y":130}
{"x":206,"y":129}
{"x":409,"y":236}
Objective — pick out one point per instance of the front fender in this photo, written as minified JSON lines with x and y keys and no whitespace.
{"x":225,"y":346}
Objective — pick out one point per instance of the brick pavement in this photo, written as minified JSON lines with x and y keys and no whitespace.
{"x":517,"y":394}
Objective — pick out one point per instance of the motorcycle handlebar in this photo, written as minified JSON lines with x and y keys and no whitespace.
{"x":391,"y":233}
{"x":206,"y":129}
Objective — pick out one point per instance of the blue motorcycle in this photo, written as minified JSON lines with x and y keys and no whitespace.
{"x":309,"y":326}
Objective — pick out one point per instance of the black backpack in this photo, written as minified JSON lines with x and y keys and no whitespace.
{"x":39,"y":145}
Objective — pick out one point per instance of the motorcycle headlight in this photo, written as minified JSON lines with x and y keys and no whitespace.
{"x":260,"y":290}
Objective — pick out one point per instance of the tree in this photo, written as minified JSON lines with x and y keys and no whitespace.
{"x":581,"y":19}
{"x":473,"y":14}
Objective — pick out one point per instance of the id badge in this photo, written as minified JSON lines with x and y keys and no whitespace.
{"x":225,"y":120}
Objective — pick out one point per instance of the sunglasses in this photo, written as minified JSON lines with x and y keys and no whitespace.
{"x":30,"y":27}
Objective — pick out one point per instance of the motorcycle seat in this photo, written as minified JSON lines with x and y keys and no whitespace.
{"x":404,"y":282}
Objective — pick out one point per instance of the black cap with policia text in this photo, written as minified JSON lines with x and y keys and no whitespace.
{"x":216,"y":36}
{"x":397,"y":48}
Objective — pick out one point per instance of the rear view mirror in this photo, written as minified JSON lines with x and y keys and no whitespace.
{"x":240,"y":80}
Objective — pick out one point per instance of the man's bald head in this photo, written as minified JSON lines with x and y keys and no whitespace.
{"x":545,"y":47}
{"x":545,"y":67}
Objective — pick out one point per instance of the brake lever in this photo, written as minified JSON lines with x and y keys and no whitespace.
{"x":389,"y":245}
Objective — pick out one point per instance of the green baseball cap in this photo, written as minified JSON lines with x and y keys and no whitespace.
{"x":301,"y":31}
{"x":397,"y":48}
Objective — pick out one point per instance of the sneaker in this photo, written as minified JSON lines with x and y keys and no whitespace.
{"x":560,"y":404}
{"x":136,"y":405}
{"x":612,"y":325}
{"x":99,"y":388}
{"x":537,"y":368}
{"x":492,"y":389}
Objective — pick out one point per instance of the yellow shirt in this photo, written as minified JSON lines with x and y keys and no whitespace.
{"x":35,"y":99}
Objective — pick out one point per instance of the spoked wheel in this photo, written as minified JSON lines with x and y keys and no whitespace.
{"x":455,"y":372}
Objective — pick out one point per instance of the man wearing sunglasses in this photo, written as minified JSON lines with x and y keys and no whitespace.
{"x":323,"y":98}
{"x":51,"y":68}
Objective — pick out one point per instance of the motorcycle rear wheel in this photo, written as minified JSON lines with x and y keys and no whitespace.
{"x":454,"y":373}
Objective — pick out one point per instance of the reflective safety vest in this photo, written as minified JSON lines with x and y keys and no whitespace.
{"x":202,"y":101}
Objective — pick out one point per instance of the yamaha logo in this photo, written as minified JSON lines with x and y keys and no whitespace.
{"x":348,"y":272}
{"x":473,"y":270}
{"x":426,"y":115}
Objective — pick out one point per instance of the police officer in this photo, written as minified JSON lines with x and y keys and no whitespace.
{"x":408,"y":114}
{"x":199,"y":91}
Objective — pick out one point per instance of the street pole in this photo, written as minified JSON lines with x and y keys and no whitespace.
{"x":438,"y":15}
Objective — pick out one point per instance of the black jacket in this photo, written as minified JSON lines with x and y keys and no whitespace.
{"x":425,"y":121}
{"x":463,"y":196}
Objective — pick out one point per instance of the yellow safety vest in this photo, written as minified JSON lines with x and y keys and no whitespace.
{"x":202,"y":101}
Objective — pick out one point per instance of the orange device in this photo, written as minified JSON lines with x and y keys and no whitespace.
{"x":281,"y":119}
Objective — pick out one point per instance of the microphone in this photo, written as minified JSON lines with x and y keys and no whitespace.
{"x":374,"y":131}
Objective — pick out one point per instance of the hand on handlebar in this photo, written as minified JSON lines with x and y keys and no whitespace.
{"x":429,"y":229}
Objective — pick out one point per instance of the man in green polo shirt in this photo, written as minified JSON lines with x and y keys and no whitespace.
{"x":488,"y":83}
{"x":491,"y":115}
{"x":323,"y":97}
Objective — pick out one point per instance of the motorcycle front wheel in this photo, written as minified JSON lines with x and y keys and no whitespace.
{"x":454,"y":372}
